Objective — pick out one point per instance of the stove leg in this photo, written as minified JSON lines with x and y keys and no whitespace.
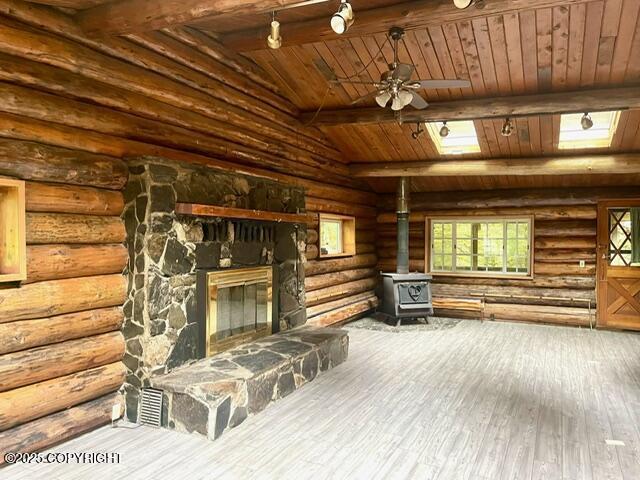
{"x":399,"y":323}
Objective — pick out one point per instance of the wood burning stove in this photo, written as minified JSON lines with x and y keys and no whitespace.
{"x":405,"y":295}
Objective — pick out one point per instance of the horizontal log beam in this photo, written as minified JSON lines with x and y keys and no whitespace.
{"x":312,"y":252}
{"x":409,"y":15}
{"x":578,"y":165}
{"x":569,"y":228}
{"x":55,"y":262}
{"x":564,"y":243}
{"x":483,"y":108}
{"x":39,"y":162}
{"x":345,"y":313}
{"x":565,"y":256}
{"x":493,"y":292}
{"x":558,"y":282}
{"x":44,"y":363}
{"x":510,"y":198}
{"x":47,"y":228}
{"x":58,"y":297}
{"x":336,"y":278}
{"x":540,"y":213}
{"x":538,"y":314}
{"x":319,"y":267}
{"x":52,"y":198}
{"x":28,"y":403}
{"x":341,"y":208}
{"x":26,"y":334}
{"x":336,"y":304}
{"x":126,"y":16}
{"x":40,"y":434}
{"x":339,"y":291}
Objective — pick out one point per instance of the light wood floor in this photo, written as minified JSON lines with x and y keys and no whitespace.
{"x":479,"y":401}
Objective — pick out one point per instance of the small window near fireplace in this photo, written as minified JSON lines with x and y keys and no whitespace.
{"x":13,"y":248}
{"x":337,"y":235}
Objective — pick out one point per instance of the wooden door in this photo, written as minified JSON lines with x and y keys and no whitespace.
{"x":618,"y":281}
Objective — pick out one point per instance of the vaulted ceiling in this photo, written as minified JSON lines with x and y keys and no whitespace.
{"x":508,"y":48}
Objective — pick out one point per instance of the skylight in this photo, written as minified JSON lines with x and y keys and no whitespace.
{"x":462,"y":138}
{"x":573,"y":136}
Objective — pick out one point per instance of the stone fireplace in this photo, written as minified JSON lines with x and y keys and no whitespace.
{"x":235,"y":306}
{"x":201,"y":285}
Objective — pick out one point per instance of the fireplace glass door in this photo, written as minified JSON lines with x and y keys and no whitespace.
{"x":239,"y":307}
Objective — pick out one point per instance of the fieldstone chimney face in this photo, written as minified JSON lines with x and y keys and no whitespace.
{"x":167,"y":250}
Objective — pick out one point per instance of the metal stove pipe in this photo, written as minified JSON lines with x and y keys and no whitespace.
{"x":403,"y":226}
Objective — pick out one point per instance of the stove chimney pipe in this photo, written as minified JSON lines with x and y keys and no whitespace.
{"x":403,"y":226}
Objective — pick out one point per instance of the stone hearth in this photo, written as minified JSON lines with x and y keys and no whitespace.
{"x":167,"y":250}
{"x":218,"y":393}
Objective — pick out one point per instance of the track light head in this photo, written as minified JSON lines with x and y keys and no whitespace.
{"x":586,"y":122}
{"x":274,"y":40}
{"x":507,"y":128}
{"x":462,"y":4}
{"x":444,"y":131}
{"x":343,"y":18}
{"x":419,"y":131}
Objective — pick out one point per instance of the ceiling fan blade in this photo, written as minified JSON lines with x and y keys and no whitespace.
{"x":443,"y":84}
{"x":403,"y":72}
{"x":367,"y":97}
{"x":354,"y":82}
{"x":418,"y":102}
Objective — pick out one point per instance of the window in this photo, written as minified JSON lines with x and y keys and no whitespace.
{"x":462,"y":138}
{"x":600,"y":135}
{"x":337,"y":235}
{"x":481,"y":246}
{"x":13,"y":256}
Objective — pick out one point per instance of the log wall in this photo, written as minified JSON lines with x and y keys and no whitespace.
{"x":339,"y":289}
{"x":72,"y":108}
{"x":60,"y":340}
{"x":564,"y":235}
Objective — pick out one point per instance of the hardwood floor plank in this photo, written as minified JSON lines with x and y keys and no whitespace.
{"x":481,"y":401}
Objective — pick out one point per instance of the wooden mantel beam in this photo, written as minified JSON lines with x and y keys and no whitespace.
{"x":409,"y":15}
{"x":134,"y":16}
{"x":579,"y":165}
{"x":477,"y":108}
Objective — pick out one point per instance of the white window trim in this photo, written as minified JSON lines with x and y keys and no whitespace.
{"x":503,"y":219}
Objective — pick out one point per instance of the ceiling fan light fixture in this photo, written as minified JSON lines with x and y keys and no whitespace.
{"x":343,"y":18}
{"x":507,"y":128}
{"x":397,"y":104}
{"x":383,"y":99}
{"x":444,"y":131}
{"x":405,"y":97}
{"x":586,"y":121}
{"x":275,"y":39}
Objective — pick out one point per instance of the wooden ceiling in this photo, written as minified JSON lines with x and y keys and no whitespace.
{"x":575,"y":45}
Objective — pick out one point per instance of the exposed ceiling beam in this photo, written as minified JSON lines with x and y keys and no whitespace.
{"x":409,"y":15}
{"x":134,"y":16}
{"x":579,"y":165}
{"x":478,"y":108}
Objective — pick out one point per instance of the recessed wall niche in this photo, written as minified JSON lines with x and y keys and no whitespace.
{"x":13,"y":249}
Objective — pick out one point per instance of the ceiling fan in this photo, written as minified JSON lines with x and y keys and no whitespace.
{"x":396,"y":86}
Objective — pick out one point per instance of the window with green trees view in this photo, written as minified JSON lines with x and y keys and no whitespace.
{"x":331,"y":241}
{"x":481,"y":246}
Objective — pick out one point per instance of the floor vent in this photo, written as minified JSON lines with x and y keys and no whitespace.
{"x":150,"y":407}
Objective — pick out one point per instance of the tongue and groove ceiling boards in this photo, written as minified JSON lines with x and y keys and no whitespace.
{"x":516,"y":53}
